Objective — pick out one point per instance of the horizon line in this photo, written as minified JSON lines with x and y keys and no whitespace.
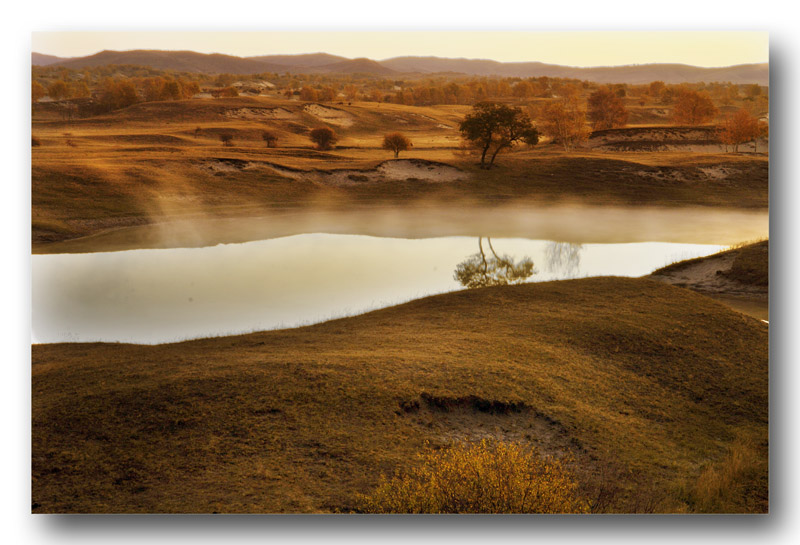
{"x":403,"y":56}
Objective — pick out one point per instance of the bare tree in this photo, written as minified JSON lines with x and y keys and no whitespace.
{"x":396,"y":142}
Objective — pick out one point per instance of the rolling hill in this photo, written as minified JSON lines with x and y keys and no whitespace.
{"x":633,"y":74}
{"x":183,"y":61}
{"x":647,"y":389}
{"x":38,"y":59}
{"x":307,"y":60}
{"x":190,"y":61}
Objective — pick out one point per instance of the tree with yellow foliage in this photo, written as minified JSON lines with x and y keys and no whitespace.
{"x":564,"y":121}
{"x":739,"y":128}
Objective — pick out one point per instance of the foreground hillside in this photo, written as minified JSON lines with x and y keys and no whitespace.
{"x":161,"y":161}
{"x":651,"y":388}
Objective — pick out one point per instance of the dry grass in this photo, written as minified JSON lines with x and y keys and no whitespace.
{"x":639,"y":381}
{"x":735,"y":484}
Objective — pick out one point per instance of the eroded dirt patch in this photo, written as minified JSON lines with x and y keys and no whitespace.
{"x":225,"y":165}
{"x":396,"y":170}
{"x":329,"y":115}
{"x":472,"y":417}
{"x":260,"y":113}
{"x":692,"y":139}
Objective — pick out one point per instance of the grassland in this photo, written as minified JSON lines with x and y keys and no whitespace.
{"x":148,"y":164}
{"x":654,"y":389}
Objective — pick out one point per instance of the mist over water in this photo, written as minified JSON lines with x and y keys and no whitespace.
{"x":165,"y":295}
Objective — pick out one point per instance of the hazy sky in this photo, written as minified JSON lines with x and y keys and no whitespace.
{"x":607,"y":48}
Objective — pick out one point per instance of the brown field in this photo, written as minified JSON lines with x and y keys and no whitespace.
{"x":144,"y":165}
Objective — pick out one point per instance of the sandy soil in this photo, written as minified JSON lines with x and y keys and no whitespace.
{"x":399,"y":169}
{"x":329,"y":115}
{"x":260,"y":113}
{"x":705,"y":276}
{"x":684,"y":139}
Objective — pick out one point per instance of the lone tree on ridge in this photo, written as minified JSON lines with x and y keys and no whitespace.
{"x":497,"y":126}
{"x":396,"y":142}
{"x":323,"y":137}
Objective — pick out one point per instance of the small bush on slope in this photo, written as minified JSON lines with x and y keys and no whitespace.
{"x":485,"y":477}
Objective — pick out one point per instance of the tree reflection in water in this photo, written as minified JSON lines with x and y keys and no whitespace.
{"x":563,"y":258}
{"x":478,"y":270}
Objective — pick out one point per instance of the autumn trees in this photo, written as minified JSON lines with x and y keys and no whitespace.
{"x":116,"y":94}
{"x":37,"y":91}
{"x":739,"y":128}
{"x":58,"y":90}
{"x":323,"y":137}
{"x":693,"y":107}
{"x":396,"y":142}
{"x":494,"y":127}
{"x":564,"y":121}
{"x":159,"y":88}
{"x":606,"y":110}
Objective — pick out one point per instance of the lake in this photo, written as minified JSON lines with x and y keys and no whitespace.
{"x":154,"y":296}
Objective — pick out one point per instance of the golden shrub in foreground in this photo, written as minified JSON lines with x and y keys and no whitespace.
{"x":485,"y":477}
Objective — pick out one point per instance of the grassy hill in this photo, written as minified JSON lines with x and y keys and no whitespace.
{"x":652,"y":388}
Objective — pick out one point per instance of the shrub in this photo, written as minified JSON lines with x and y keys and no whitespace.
{"x":228,"y":92}
{"x":485,"y":477}
{"x":226,"y":139}
{"x":269,"y":138}
{"x":323,"y":137}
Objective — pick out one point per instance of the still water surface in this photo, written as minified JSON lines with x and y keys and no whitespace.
{"x":166,"y":295}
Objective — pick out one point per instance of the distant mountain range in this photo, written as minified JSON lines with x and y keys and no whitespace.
{"x":323,"y":63}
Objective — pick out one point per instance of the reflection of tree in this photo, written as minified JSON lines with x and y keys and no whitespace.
{"x":478,"y":270}
{"x":564,"y":258}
